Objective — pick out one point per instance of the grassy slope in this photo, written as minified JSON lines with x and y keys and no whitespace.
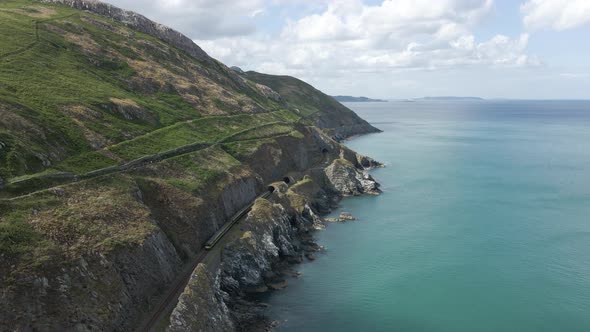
{"x":298,"y":93}
{"x":82,"y":85}
{"x":79,"y":92}
{"x":327,"y":112}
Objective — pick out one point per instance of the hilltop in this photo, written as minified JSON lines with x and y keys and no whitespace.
{"x":124,"y":147}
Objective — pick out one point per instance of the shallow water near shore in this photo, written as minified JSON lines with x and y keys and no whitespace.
{"x":484,"y":225}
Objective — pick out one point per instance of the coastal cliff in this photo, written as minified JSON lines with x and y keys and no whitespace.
{"x":124,"y":147}
{"x":108,"y":283}
{"x":277,"y":233}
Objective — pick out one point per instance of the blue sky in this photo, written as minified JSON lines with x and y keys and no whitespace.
{"x":397,"y":48}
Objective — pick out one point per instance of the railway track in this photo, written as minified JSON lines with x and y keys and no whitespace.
{"x":178,"y":286}
{"x":228,"y":225}
{"x":164,"y":305}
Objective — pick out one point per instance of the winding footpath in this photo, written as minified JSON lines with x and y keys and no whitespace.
{"x":145,"y":160}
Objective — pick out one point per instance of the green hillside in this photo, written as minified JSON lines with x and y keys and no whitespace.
{"x":73,"y":83}
{"x":80,"y":92}
{"x":118,"y":136}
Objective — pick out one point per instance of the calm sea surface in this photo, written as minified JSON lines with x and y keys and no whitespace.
{"x":484,"y":225}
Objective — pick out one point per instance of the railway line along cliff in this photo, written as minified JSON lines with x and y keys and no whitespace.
{"x":124,"y":148}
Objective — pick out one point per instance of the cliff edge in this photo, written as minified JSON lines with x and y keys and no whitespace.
{"x":124,"y":147}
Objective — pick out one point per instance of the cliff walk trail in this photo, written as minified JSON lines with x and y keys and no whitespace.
{"x":64,"y":178}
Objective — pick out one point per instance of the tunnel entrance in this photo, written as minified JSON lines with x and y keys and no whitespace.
{"x":271,"y":189}
{"x":324,"y":150}
{"x":286,"y":180}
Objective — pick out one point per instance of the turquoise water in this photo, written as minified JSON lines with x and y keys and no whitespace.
{"x":484,"y":225}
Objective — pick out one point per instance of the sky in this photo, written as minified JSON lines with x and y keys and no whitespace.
{"x":528,"y":49}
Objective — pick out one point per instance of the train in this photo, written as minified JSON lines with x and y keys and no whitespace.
{"x":227,"y":226}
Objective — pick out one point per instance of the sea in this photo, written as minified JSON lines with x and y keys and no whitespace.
{"x":483,"y":224}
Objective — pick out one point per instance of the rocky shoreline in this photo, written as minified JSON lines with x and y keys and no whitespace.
{"x":107,"y":221}
{"x":278,"y":235}
{"x":123,"y":286}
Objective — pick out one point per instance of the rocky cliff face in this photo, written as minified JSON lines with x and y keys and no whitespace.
{"x":190,"y":221}
{"x":348,"y":180}
{"x":202,"y":306}
{"x":94,"y":293}
{"x":111,"y":182}
{"x":276,"y":232}
{"x":153,"y":228}
{"x":268,"y":236}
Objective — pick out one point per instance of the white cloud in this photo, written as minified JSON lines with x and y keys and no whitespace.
{"x":392,"y":20}
{"x":203,"y":19}
{"x":338,"y":44}
{"x":556,"y":14}
{"x":349,"y":37}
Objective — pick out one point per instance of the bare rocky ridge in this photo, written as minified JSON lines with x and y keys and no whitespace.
{"x":139,"y":23}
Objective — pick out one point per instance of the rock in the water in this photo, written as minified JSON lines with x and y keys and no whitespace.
{"x":259,"y":289}
{"x":278,"y":285}
{"x":346,"y":216}
{"x":296,"y":259}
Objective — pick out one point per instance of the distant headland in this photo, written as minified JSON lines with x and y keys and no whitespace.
{"x":449,"y":98}
{"x":350,"y":99}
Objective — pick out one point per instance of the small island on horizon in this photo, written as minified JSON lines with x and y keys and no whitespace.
{"x":449,"y":98}
{"x":350,"y":99}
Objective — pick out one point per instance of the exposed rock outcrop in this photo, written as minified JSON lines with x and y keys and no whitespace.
{"x":268,"y":236}
{"x":139,"y":23}
{"x":237,"y":69}
{"x":201,"y":307}
{"x":129,"y":110}
{"x":367,"y":162}
{"x":94,"y":293}
{"x":268,"y":92}
{"x":350,"y":181}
